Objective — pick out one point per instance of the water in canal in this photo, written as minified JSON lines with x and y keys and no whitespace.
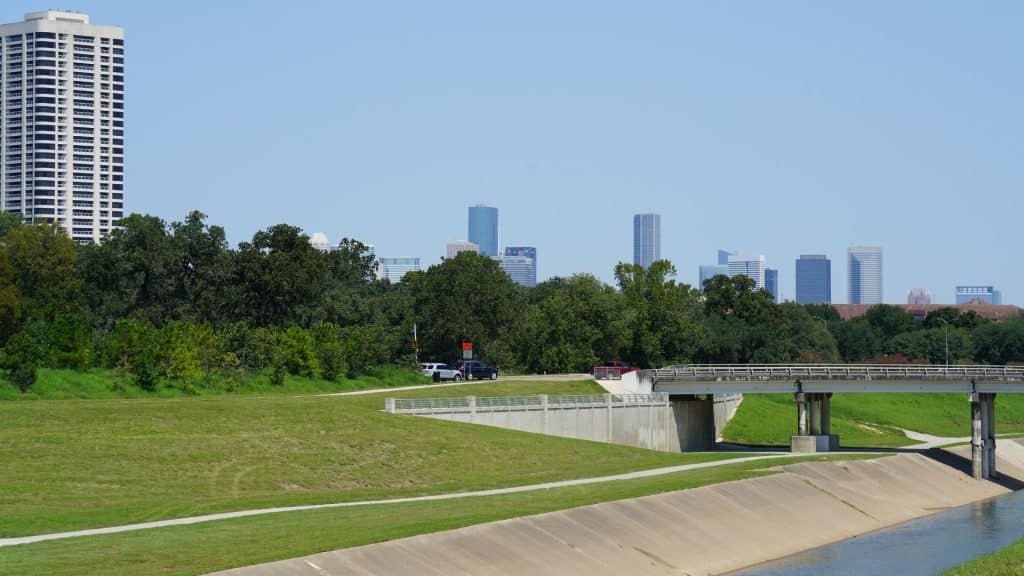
{"x":922,"y":547}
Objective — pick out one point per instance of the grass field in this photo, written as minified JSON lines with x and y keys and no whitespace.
{"x":1007,"y":562}
{"x":87,"y":463}
{"x":869,"y":420}
{"x":223,"y":544}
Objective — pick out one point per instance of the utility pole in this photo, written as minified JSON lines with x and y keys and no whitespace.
{"x":946,"y":323}
{"x":415,"y":343}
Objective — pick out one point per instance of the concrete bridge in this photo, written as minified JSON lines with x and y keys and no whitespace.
{"x":813,"y":385}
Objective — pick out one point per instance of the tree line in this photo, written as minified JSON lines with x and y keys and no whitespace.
{"x":174,"y":302}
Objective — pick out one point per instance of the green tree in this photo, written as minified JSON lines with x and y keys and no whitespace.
{"x":204,"y":269}
{"x":132,"y":346}
{"x":42,"y":268}
{"x":22,"y":355}
{"x":279,"y":277}
{"x":466,"y":298}
{"x":69,"y":342}
{"x":330,"y":351}
{"x":574,"y":324}
{"x":296,"y":353}
{"x":750,"y":326}
{"x":665,"y":318}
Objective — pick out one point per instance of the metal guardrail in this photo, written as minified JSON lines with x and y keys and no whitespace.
{"x":524,"y":402}
{"x":846,"y":372}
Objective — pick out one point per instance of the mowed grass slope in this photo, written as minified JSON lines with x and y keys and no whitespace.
{"x":100,"y":384}
{"x":219,"y":545}
{"x":76,"y":464}
{"x":869,"y":420}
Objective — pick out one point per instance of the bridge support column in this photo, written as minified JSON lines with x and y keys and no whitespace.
{"x":818,"y":437}
{"x":983,"y":434}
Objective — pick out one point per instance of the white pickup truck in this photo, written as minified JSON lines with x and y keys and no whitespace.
{"x":442,"y":370}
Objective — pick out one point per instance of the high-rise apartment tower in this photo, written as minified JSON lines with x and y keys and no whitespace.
{"x":646,"y":239}
{"x":62,"y":113}
{"x":483,"y":228}
{"x":864,"y":274}
{"x":813,"y":279}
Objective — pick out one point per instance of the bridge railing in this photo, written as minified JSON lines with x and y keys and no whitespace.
{"x":495,"y":403}
{"x":788,"y":372}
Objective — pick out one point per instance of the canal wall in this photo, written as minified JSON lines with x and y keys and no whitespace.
{"x":709,"y":530}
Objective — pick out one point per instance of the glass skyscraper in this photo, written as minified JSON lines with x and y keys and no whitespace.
{"x":395,"y":268}
{"x":864,"y":274}
{"x":987,"y":294}
{"x":483,"y":229}
{"x":771,"y":282}
{"x":646,"y":239}
{"x":813,"y":279}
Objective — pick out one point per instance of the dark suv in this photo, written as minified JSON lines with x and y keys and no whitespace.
{"x":476,"y":370}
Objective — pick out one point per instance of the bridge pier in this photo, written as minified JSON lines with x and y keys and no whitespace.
{"x":983,"y":434}
{"x":817,"y":436}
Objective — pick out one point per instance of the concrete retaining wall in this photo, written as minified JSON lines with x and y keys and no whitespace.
{"x":643,"y":421}
{"x":653,"y":421}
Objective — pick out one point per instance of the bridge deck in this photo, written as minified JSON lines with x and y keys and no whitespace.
{"x":763,"y":378}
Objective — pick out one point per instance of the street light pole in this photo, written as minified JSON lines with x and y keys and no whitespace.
{"x":946,"y":326}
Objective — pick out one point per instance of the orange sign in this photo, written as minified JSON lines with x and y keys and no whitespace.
{"x":467,"y":345}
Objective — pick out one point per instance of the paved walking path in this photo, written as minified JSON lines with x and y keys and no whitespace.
{"x":449,"y":496}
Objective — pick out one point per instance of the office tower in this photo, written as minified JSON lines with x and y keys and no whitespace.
{"x":988,"y":294}
{"x":461,"y":246}
{"x":864,"y":274}
{"x":520,"y":263}
{"x":723,"y":257}
{"x":919,"y":296}
{"x":62,"y":139}
{"x":771,"y":282}
{"x":813,"y":279}
{"x":646,"y":239}
{"x":483,"y":228}
{"x":707,"y":271}
{"x":319,"y":241}
{"x":750,"y":266}
{"x":395,"y":268}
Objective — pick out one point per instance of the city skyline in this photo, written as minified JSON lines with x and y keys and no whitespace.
{"x":798,"y":121}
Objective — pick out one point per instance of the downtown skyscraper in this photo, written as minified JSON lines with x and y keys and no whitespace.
{"x":62,"y":133}
{"x":646,"y":239}
{"x":483,"y":229}
{"x":752,"y":267}
{"x":864,"y":274}
{"x":813,"y":279}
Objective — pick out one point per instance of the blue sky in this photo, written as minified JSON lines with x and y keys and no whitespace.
{"x":766,"y":127}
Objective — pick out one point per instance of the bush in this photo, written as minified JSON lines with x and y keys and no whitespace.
{"x":22,"y":355}
{"x":330,"y":351}
{"x":295,"y":348}
{"x":69,"y":342}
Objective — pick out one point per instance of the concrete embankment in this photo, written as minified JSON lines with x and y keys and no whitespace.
{"x":708,"y":530}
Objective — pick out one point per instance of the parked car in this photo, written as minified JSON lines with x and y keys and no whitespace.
{"x":477,"y":370}
{"x":443,"y":371}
